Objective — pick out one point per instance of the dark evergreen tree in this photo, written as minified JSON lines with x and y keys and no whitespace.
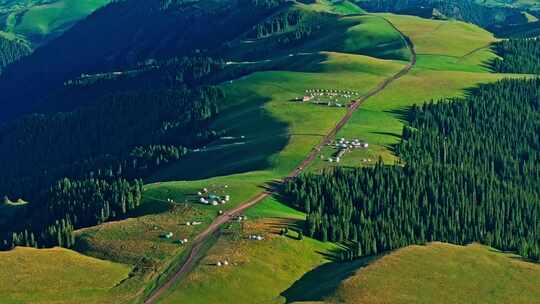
{"x":469,"y":173}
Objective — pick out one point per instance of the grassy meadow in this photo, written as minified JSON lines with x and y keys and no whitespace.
{"x":58,"y":276}
{"x":443,"y":273}
{"x":272,"y":132}
{"x":446,"y":67}
{"x":259,"y":271}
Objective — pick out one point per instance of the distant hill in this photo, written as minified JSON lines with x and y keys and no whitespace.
{"x":482,"y":14}
{"x":40,"y":21}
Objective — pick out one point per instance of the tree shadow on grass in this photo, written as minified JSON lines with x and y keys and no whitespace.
{"x":403,"y":113}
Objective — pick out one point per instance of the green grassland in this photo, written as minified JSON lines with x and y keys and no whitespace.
{"x":446,"y":45}
{"x":139,"y":240}
{"x":58,"y":276}
{"x":447,"y":67}
{"x":40,"y":22}
{"x":260,"y":270}
{"x":355,"y":34}
{"x":285,"y":131}
{"x":443,"y":273}
{"x":139,"y":236}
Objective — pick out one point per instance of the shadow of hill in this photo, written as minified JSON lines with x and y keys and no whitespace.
{"x":321,"y":282}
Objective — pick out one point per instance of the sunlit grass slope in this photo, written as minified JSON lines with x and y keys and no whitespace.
{"x":451,"y":59}
{"x":446,"y":45}
{"x":57,"y":276}
{"x":443,"y":273}
{"x":50,"y":19}
{"x":259,"y":271}
{"x":271,"y":131}
{"x":363,"y":34}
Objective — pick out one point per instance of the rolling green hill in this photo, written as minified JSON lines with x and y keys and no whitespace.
{"x":58,"y":275}
{"x":442,"y":273}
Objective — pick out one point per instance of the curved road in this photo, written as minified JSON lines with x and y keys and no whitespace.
{"x":205,"y":235}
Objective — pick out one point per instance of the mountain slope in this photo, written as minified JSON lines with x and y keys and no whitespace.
{"x":40,"y":21}
{"x":142,"y":29}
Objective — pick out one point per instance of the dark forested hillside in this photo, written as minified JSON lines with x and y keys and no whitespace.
{"x":99,"y":153}
{"x":470,"y":174}
{"x":10,"y":51}
{"x":143,"y":29}
{"x":152,"y":74}
{"x":517,"y":56}
{"x":79,"y":141}
{"x":466,"y":10}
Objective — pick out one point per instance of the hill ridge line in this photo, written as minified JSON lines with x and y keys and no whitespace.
{"x":205,"y":235}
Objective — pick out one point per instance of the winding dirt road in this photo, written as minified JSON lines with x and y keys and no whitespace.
{"x":205,"y":235}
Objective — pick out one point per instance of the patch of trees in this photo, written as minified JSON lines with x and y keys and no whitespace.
{"x":11,"y":51}
{"x":280,"y":23}
{"x":517,"y":56}
{"x":151,"y":74}
{"x":68,"y":205}
{"x":470,"y":174}
{"x":95,"y":158}
{"x":268,"y":3}
{"x":126,"y":134}
{"x":520,"y":30}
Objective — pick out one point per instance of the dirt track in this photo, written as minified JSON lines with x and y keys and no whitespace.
{"x":205,"y":235}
